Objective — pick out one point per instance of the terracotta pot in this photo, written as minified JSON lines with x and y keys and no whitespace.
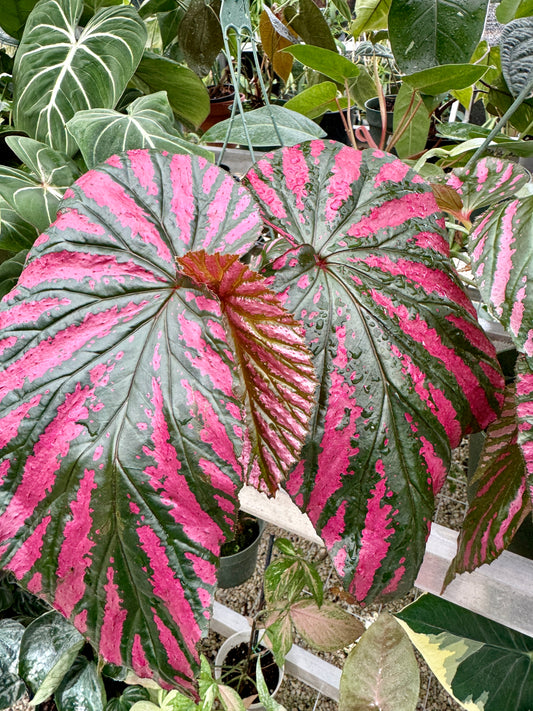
{"x":220,"y":110}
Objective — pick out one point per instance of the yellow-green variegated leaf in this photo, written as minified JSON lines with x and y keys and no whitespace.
{"x":61,"y":68}
{"x":148,"y":123}
{"x":482,"y":664}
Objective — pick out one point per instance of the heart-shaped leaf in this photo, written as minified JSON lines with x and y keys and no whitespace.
{"x":426,"y":33}
{"x":501,"y":497}
{"x":149,"y":123}
{"x":292,"y":127}
{"x":123,"y":437}
{"x":500,"y":246}
{"x":61,"y":68}
{"x":83,"y":681}
{"x":403,"y":367}
{"x":381,"y":671}
{"x":15,"y":233}
{"x":328,"y":627}
{"x":48,"y":648}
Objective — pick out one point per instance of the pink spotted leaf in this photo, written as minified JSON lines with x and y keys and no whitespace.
{"x":490,"y":181}
{"x":404,"y":369}
{"x":121,"y":425}
{"x":501,"y":499}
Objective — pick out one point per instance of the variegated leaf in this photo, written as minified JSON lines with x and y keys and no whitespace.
{"x":276,"y":366}
{"x":482,"y":664}
{"x":149,"y":123}
{"x":501,"y":498}
{"x":33,"y":201}
{"x":53,"y":168}
{"x":524,"y":399}
{"x":490,"y":181}
{"x":404,"y":369}
{"x":61,"y":68}
{"x":501,"y":248}
{"x":120,"y":410}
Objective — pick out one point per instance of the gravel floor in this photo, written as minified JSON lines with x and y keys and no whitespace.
{"x":296,"y":696}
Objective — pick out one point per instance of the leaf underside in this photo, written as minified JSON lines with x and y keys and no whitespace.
{"x":403,"y":368}
{"x":120,"y":410}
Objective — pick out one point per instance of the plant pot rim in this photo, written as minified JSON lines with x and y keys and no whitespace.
{"x":233,"y":641}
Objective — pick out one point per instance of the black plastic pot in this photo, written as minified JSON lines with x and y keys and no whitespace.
{"x":237,"y":568}
{"x":332,"y":123}
{"x":373,"y":117}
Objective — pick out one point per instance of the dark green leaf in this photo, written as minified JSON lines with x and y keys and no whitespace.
{"x":425,"y":33}
{"x":48,"y":648}
{"x":482,"y":664}
{"x":186,"y":93}
{"x":12,"y":688}
{"x":499,"y":100}
{"x":129,"y":696}
{"x":14,"y":15}
{"x":516,"y":53}
{"x":466,"y":131}
{"x":152,"y":7}
{"x":200,"y":36}
{"x":81,"y":688}
{"x":53,"y":77}
{"x":293,"y":128}
{"x":306,"y":19}
{"x":10,"y":270}
{"x":11,"y":633}
{"x":15,"y":233}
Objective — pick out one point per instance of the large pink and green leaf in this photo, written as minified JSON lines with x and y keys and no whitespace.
{"x":121,"y":427}
{"x":524,"y":411}
{"x":403,"y":367}
{"x":501,"y":499}
{"x":501,"y":248}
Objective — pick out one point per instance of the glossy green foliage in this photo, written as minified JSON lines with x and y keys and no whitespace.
{"x":426,"y":33}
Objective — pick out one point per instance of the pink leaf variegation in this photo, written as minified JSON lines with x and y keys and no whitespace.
{"x":122,"y":431}
{"x":501,"y":248}
{"x":404,"y":369}
{"x":501,"y":498}
{"x":524,"y":411}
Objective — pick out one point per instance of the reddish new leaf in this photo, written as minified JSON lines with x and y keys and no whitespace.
{"x":275,"y":364}
{"x":404,"y":368}
{"x":328,"y":627}
{"x":121,"y":432}
{"x":501,"y":497}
